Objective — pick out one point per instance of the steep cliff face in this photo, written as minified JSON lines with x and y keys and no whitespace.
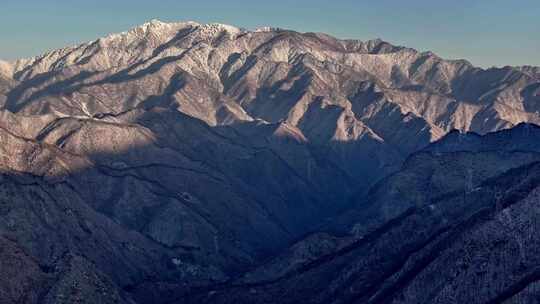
{"x":151,"y":165}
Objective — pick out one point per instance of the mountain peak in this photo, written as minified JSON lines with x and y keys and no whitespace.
{"x":152,"y":27}
{"x":160,"y":32}
{"x":155,"y":22}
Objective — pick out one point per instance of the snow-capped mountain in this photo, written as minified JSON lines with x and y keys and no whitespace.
{"x":157,"y":162}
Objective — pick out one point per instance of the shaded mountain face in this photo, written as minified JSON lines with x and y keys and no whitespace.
{"x":459,"y":226}
{"x":151,"y":165}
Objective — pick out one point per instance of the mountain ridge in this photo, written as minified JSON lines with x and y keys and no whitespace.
{"x":175,"y":157}
{"x":142,"y":43}
{"x":156,"y":23}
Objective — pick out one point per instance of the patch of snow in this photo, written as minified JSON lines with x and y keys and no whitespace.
{"x":213,"y":29}
{"x":176,"y":261}
{"x":6,"y":69}
{"x":266,"y":29}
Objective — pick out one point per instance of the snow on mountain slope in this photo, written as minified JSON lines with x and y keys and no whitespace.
{"x":186,"y":153}
{"x":223,"y":74}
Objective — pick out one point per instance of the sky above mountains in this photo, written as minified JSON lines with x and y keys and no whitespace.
{"x":485,"y":32}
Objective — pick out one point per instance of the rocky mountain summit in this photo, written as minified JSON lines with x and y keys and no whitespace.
{"x":197,"y":162}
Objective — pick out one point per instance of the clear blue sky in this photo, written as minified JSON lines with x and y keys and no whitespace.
{"x":485,"y":32}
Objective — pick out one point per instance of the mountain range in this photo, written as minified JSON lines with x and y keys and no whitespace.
{"x":187,"y":162}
